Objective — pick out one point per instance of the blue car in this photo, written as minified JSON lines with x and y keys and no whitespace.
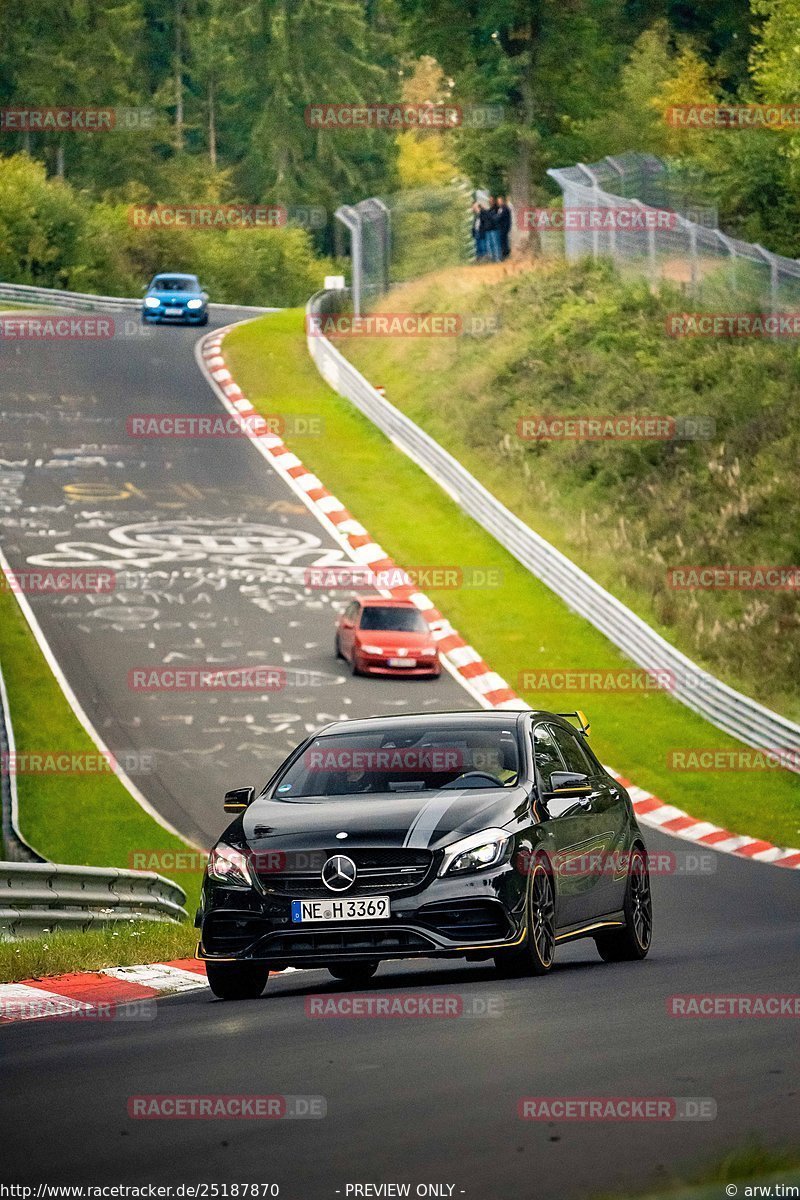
{"x":175,"y":297}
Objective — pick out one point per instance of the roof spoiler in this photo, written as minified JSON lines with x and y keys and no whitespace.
{"x":581,"y":718}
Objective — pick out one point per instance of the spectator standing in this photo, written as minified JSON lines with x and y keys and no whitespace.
{"x":479,"y":231}
{"x":486,"y":228}
{"x":492,"y":231}
{"x":504,"y":226}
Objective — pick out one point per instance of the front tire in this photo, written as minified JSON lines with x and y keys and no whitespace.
{"x":354,"y":974}
{"x":536,"y":955}
{"x":631,"y":943}
{"x":237,"y":981}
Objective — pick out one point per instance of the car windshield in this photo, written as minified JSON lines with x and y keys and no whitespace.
{"x":404,"y":620}
{"x":415,"y":759}
{"x":168,"y":283}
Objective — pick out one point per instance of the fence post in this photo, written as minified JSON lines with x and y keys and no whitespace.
{"x":693,"y":253}
{"x":596,"y":205}
{"x":386,"y":239}
{"x":352,"y":220}
{"x":729,"y":246}
{"x":651,"y":245}
{"x":609,"y":158}
{"x":772,"y":260}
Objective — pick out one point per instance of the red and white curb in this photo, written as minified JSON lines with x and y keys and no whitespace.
{"x":97,"y":995}
{"x":462,"y":660}
{"x":674,"y":821}
{"x":102,"y":995}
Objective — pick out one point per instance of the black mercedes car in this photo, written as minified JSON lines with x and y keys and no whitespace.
{"x":476,"y":835}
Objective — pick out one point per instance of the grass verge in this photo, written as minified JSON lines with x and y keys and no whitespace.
{"x":754,"y":1167}
{"x":518,"y":626}
{"x":126,"y":945}
{"x":87,"y":820}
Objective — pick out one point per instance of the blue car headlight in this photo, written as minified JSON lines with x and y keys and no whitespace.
{"x":194,"y":303}
{"x":152,"y":302}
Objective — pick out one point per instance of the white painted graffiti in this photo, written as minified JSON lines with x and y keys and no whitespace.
{"x":236,"y":544}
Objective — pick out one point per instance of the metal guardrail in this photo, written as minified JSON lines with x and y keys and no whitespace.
{"x":37,"y":898}
{"x":738,"y":715}
{"x":23,"y":293}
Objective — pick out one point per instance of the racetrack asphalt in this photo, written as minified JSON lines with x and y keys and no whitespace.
{"x":210,"y":551}
{"x":417,"y":1100}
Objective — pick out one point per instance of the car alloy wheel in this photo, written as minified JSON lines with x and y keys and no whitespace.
{"x":542,"y":920}
{"x":641,"y":901}
{"x":633,"y":942}
{"x":535,"y":956}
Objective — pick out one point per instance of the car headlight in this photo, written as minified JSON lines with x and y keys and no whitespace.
{"x":227,"y":865}
{"x":428,"y":650}
{"x":476,"y":852}
{"x":152,"y":302}
{"x":372,"y":649}
{"x":194,"y":303}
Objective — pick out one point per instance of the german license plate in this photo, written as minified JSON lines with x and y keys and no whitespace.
{"x":372,"y":908}
{"x":402,"y":662}
{"x":173,"y":312}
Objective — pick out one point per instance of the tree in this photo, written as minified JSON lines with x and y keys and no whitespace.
{"x":656,"y":76}
{"x":295,"y":53}
{"x":425,"y":157}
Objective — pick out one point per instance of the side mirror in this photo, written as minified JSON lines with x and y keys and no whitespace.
{"x":568,"y":783}
{"x":238,"y":800}
{"x":204,"y":295}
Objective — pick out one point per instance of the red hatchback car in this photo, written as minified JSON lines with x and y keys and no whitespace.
{"x":386,"y":637}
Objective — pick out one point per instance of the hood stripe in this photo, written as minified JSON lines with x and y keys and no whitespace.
{"x":428,"y":818}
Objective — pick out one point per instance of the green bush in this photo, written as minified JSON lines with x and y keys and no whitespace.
{"x":42,"y":225}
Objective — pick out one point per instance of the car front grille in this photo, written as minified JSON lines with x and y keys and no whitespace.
{"x":384,"y":872}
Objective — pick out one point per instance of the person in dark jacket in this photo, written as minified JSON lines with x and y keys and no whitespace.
{"x":492,"y":232}
{"x":504,"y":226}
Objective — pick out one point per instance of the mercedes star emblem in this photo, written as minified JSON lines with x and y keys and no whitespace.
{"x":339,"y":873}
